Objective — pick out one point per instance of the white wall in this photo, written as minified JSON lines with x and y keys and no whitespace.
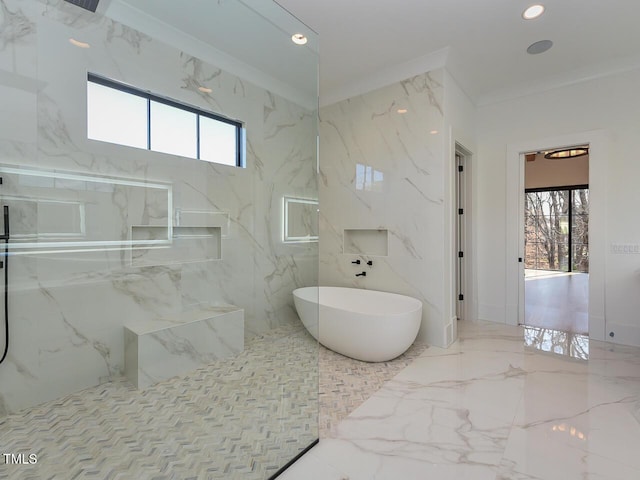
{"x":460,"y":113}
{"x":610,"y":104}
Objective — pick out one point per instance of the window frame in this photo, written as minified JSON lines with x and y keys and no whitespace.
{"x":149,"y":96}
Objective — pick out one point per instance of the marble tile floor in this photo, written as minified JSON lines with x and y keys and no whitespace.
{"x":240,"y":418}
{"x":491,"y":407}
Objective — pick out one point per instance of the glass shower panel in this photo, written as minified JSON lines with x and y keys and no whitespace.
{"x":150,"y":295}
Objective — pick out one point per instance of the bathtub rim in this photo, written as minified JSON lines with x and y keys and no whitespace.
{"x":316,"y":299}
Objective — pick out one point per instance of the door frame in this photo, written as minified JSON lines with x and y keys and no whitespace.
{"x":598,"y":152}
{"x":470,"y":303}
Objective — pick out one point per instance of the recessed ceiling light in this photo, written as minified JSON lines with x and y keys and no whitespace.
{"x":402,"y":110}
{"x":299,"y":39}
{"x":534,"y":11}
{"x":205,"y":89}
{"x":433,"y":132}
{"x":539,"y":47}
{"x":78,"y":43}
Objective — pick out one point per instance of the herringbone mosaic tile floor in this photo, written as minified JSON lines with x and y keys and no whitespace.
{"x":241,"y":418}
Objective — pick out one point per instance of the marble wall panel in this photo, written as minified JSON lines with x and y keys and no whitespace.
{"x":287,"y":168}
{"x":384,"y":169}
{"x":18,"y":68}
{"x":182,"y":344}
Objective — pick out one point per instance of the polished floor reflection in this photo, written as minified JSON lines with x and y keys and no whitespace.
{"x":557,"y":300}
{"x":573,"y":345}
{"x":492,"y":407}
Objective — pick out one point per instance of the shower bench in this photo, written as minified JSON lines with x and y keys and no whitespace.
{"x":156,"y":350}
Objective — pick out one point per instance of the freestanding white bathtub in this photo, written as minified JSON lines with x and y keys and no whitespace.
{"x":363,"y":324}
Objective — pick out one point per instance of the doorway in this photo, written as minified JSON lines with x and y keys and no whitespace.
{"x":463,"y":279}
{"x":598,"y":142}
{"x":556,"y":239}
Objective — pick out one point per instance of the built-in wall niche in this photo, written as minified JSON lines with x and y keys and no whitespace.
{"x":366,"y":242}
{"x":300,"y":220}
{"x":186,"y":245}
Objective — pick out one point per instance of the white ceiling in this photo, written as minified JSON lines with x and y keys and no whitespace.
{"x":365,"y":43}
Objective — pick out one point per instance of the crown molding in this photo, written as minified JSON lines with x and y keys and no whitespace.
{"x":386,"y":76}
{"x":565,"y":79}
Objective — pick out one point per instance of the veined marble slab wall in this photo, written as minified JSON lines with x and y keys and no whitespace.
{"x":67,"y":309}
{"x":383,"y":169}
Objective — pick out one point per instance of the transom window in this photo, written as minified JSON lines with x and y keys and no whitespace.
{"x":126,"y":115}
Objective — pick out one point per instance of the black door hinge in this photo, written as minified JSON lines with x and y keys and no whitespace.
{"x":460,"y":254}
{"x":461,"y":297}
{"x":461,"y":211}
{"x":460,"y":168}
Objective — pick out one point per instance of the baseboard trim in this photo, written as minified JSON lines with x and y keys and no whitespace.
{"x":623,"y":334}
{"x":491,"y":313}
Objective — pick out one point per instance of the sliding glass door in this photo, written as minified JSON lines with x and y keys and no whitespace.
{"x":557,"y":228}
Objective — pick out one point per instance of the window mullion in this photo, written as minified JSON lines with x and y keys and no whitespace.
{"x":570,"y":221}
{"x":148,"y":123}
{"x":198,"y":137}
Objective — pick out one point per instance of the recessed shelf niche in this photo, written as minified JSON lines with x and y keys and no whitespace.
{"x":366,"y":242}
